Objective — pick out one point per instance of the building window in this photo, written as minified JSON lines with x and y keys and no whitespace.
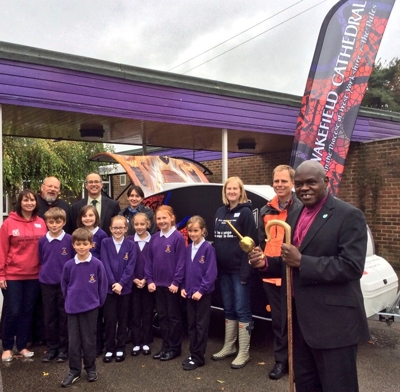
{"x":122,"y":179}
{"x":5,"y":205}
{"x":106,"y":185}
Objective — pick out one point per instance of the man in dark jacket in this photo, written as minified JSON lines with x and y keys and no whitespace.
{"x":326,"y":256}
{"x":106,"y":207}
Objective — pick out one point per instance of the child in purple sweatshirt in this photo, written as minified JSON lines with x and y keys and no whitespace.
{"x":200,"y":275}
{"x":84,"y":285}
{"x":89,"y":218}
{"x":164,"y":274}
{"x":142,"y":301}
{"x":55,"y":249}
{"x":119,"y":258}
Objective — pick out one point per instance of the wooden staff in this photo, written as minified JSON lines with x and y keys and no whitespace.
{"x":288,"y":230}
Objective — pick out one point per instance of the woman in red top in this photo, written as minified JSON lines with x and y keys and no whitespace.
{"x":19,"y":272}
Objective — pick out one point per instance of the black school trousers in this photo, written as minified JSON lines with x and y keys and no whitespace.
{"x":82,"y":339}
{"x":169,"y":312}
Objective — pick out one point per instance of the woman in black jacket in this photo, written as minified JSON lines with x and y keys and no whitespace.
{"x":234,"y":270}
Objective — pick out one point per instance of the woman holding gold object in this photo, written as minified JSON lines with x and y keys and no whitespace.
{"x":234,"y":271}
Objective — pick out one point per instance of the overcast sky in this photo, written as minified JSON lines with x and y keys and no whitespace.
{"x":161,"y":34}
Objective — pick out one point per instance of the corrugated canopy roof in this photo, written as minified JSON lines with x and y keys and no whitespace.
{"x":53,"y":95}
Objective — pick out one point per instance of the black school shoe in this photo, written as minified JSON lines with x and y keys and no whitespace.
{"x":169,"y":355}
{"x":49,"y":356}
{"x":120,"y":356}
{"x":92,"y":376}
{"x":186,"y":360}
{"x":158,"y":355}
{"x":191,"y":365}
{"x":108,"y":357}
{"x":278,"y":371}
{"x":136,"y":351}
{"x":61,"y":357}
{"x":69,"y":380}
{"x":146,"y":350}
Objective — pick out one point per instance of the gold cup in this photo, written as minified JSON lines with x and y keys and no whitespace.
{"x":246,"y":243}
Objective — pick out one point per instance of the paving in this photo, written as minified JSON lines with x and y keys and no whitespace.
{"x":378,"y":363}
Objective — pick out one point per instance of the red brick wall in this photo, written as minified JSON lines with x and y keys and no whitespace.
{"x":252,"y":170}
{"x":371,"y":181}
{"x":117,"y":188}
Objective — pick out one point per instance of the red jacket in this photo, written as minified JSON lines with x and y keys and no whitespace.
{"x":19,"y":256}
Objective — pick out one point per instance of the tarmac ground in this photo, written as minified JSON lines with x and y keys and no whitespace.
{"x":378,"y":367}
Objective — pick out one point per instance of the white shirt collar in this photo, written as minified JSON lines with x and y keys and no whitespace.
{"x":173,"y":228}
{"x":89,"y":199}
{"x":89,"y":258}
{"x":118,"y":243}
{"x":198,"y":245}
{"x":59,"y":238}
{"x":138,"y":239}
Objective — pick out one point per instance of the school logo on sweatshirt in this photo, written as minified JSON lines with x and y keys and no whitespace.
{"x":202,"y":260}
{"x":126,"y":257}
{"x":15,"y":233}
{"x":168,"y":249}
{"x":92,"y":279}
{"x":93,"y":245}
{"x":64,"y":252}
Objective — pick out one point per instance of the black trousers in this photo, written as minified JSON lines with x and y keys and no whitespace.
{"x":55,"y":318}
{"x":323,"y":370}
{"x":115,"y":311}
{"x":142,"y":310}
{"x":19,"y":299}
{"x":198,"y":313}
{"x":279,"y":329}
{"x":100,"y":330}
{"x":170,"y":319}
{"x":82,"y":338}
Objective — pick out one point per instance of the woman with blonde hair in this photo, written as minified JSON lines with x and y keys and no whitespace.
{"x":234,"y":271}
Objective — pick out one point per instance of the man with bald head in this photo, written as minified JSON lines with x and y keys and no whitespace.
{"x":49,"y":197}
{"x":326,"y":256}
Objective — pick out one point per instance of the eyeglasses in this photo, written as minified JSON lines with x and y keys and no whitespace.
{"x":117,"y":228}
{"x":93,"y":182}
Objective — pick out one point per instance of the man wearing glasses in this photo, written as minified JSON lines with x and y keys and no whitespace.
{"x":106,"y":207}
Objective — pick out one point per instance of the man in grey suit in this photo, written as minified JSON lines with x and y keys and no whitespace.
{"x":327,"y":256}
{"x":106,"y":207}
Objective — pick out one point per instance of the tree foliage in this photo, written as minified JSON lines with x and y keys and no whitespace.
{"x":383,"y":90}
{"x":30,"y":161}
